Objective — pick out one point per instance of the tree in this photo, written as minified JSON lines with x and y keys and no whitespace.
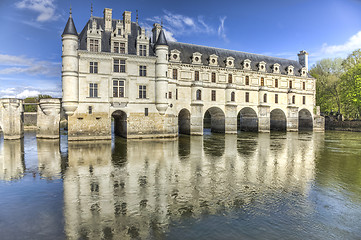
{"x":352,"y":60}
{"x":351,"y":90}
{"x":327,"y":73}
{"x":33,"y":108}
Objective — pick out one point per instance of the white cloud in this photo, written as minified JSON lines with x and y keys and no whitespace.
{"x":45,"y":9}
{"x":354,"y":42}
{"x":221,"y":30}
{"x":14,"y":60}
{"x":169,"y":36}
{"x":24,"y":92}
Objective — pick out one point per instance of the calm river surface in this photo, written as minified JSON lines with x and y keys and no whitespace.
{"x":245,"y":186}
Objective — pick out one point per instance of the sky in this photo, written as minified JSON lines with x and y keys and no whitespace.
{"x":30,"y":42}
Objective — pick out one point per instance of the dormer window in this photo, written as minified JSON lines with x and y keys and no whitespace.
{"x":247,"y":64}
{"x":262,"y":66}
{"x":230,"y":62}
{"x":290,"y":70}
{"x":174,"y":55}
{"x":213,"y":60}
{"x":196,"y":59}
{"x":276,"y":68}
{"x":303,"y":72}
{"x":119,"y":47}
{"x":94,"y":45}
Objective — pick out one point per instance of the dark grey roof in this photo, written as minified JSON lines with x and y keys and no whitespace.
{"x":161,"y":39}
{"x":70,"y":27}
{"x":187,"y":51}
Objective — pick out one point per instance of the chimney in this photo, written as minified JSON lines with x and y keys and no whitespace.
{"x":108,"y":19}
{"x":156,"y":30}
{"x":303,"y":59}
{"x":127,"y":21}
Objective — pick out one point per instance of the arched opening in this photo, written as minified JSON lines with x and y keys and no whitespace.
{"x":247,"y":120}
{"x":278,"y":120}
{"x":233,"y":96}
{"x":305,"y":121}
{"x":199,"y":94}
{"x":184,"y":122}
{"x":214,"y":119}
{"x":120,"y":123}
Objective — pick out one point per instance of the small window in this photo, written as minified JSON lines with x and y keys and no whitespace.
{"x":290,"y":84}
{"x":262,"y":81}
{"x":199,"y":94}
{"x":303,"y":85}
{"x":276,"y":98}
{"x":93,"y":67}
{"x":230,"y":78}
{"x":175,"y":74}
{"x":94,"y":45}
{"x":146,"y":112}
{"x":265,"y":98}
{"x":196,"y":76}
{"x":304,"y":99}
{"x":93,"y":90}
{"x":142,"y":91}
{"x":276,"y":83}
{"x":142,"y":50}
{"x":118,"y":88}
{"x":90,"y":109}
{"x":119,"y":65}
{"x":142,"y":71}
{"x":247,"y":80}
{"x":176,"y":94}
{"x":233,"y":96}
{"x":213,"y":95}
{"x":170,"y":95}
{"x":213,"y":76}
{"x":293,"y":99}
{"x":247,"y":96}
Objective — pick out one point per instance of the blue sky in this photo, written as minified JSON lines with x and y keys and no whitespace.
{"x":30,"y":42}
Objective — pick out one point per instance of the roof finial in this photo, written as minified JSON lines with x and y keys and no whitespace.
{"x":161,"y":23}
{"x":137,"y":15}
{"x":70,"y":11}
{"x":91,"y":9}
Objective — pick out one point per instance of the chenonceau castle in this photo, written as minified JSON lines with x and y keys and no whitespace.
{"x":155,"y":88}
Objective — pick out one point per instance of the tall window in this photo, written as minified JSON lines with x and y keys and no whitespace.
{"x":199,"y":94}
{"x":116,"y":47}
{"x":196,"y":76}
{"x":276,"y":83}
{"x":213,"y":95}
{"x":176,"y":94}
{"x":94,"y":45}
{"x":142,"y":50}
{"x":276,"y":98}
{"x":229,"y":78}
{"x":118,"y":88}
{"x":142,"y":71}
{"x":142,"y":91}
{"x":93,"y":90}
{"x":262,"y":81}
{"x":233,"y":96}
{"x":213,"y":77}
{"x":247,"y":80}
{"x":293,"y":99}
{"x":119,"y":65}
{"x":170,"y":95}
{"x":303,"y":85}
{"x":290,"y":84}
{"x":265,"y":98}
{"x":304,"y":99}
{"x":122,"y":48}
{"x":247,"y":96}
{"x":93,"y":67}
{"x":175,"y":73}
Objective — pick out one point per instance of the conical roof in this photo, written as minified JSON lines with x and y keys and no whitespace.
{"x":70,"y":27}
{"x":161,"y":39}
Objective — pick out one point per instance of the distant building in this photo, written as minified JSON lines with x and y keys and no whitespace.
{"x":155,"y":88}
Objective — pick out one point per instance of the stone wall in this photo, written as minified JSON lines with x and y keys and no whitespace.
{"x":30,"y":119}
{"x":353,"y":126}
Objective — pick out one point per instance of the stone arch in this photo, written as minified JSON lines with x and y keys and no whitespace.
{"x":214,"y":118}
{"x":120,"y":123}
{"x":305,"y":120}
{"x":278,"y":120}
{"x":247,"y":120}
{"x":184,"y":121}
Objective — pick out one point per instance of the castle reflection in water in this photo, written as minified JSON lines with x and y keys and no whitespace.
{"x":136,"y":188}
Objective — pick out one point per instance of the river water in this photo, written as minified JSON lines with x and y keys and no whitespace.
{"x":246,"y":186}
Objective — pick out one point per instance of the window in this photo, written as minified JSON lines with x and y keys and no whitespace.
{"x":90,"y":109}
{"x":213,"y":95}
{"x":175,"y":74}
{"x":247,"y":96}
{"x":119,"y":65}
{"x":93,"y":90}
{"x":276,"y":98}
{"x":247,"y":80}
{"x":229,"y":78}
{"x":122,"y":48}
{"x":142,"y":50}
{"x":196,"y":76}
{"x":116,"y":47}
{"x":303,"y":85}
{"x":265,"y":98}
{"x":262,"y":81}
{"x":142,"y":71}
{"x":213,"y":76}
{"x":93,"y":67}
{"x":233,"y":96}
{"x":199,"y":94}
{"x":118,"y":88}
{"x":176,"y":94}
{"x":119,"y":47}
{"x":293,"y":99}
{"x":146,"y":112}
{"x":304,"y":99}
{"x":170,"y":95}
{"x":94,"y":45}
{"x":142,"y":91}
{"x":290,"y":84}
{"x":276,"y":83}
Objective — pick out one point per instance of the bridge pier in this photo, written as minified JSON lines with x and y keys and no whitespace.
{"x":197,"y":119}
{"x":48,"y":119}
{"x":264,"y":118}
{"x":292,"y":119}
{"x":231,"y":118}
{"x":12,"y":118}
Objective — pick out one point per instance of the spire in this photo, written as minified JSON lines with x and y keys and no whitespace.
{"x":70,"y":27}
{"x":137,"y":15}
{"x":161,"y":39}
{"x":91,"y":10}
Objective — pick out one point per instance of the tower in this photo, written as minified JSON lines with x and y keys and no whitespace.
{"x":161,"y":68}
{"x":70,"y":67}
{"x":303,"y":59}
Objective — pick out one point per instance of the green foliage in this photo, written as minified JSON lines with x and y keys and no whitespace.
{"x":351,"y":91}
{"x":33,"y":108}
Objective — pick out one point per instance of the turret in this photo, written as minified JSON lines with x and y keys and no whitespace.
{"x":161,"y":68}
{"x":156,"y":30}
{"x":70,"y":67}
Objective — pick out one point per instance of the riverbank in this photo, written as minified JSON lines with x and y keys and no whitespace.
{"x":350,"y":126}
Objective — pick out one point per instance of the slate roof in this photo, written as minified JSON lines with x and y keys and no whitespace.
{"x":161,"y":39}
{"x":70,"y":27}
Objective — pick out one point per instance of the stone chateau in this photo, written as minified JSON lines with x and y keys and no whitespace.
{"x":155,"y":88}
